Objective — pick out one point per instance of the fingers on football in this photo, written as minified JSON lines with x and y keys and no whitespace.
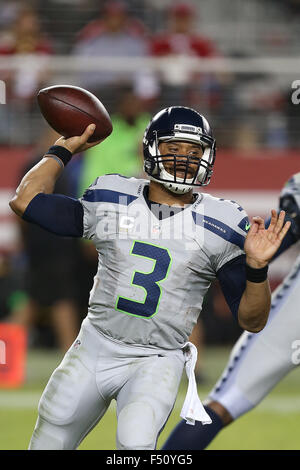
{"x":91,"y":128}
{"x":88,"y":132}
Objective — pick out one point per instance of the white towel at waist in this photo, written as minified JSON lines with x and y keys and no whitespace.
{"x":192,"y":409}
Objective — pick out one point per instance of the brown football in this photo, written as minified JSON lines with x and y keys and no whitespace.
{"x":70,"y":109}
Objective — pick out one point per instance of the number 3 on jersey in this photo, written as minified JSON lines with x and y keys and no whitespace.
{"x":147,"y":281}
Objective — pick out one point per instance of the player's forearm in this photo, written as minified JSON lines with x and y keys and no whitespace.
{"x":260,"y":246}
{"x":40,"y":179}
{"x":255,"y":306}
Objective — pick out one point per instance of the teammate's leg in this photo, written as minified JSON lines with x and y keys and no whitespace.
{"x":146,"y":400}
{"x":187,"y":437}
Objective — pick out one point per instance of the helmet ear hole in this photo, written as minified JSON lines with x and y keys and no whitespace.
{"x":150,"y":166}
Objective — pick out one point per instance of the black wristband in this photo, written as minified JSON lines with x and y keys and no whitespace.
{"x":61,"y":152}
{"x":256,"y":275}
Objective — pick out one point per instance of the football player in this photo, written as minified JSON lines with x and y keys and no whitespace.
{"x":257,"y":362}
{"x":160,"y":245}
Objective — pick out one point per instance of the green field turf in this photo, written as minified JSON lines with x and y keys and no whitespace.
{"x":273,"y":424}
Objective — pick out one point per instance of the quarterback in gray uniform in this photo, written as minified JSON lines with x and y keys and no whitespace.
{"x":160,"y":245}
{"x":257,"y":362}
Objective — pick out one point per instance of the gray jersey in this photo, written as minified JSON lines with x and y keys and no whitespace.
{"x":153,"y":274}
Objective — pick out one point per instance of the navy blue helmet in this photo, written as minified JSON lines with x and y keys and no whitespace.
{"x":179,"y":123}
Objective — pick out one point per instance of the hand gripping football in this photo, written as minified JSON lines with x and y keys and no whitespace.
{"x":70,"y":109}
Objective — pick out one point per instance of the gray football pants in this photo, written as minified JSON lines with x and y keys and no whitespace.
{"x":143,"y":381}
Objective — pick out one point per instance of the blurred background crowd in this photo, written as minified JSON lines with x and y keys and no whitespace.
{"x":103,"y":46}
{"x":233,"y":60}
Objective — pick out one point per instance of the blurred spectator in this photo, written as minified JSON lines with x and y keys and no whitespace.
{"x":121,"y":152}
{"x":25,"y":38}
{"x":115,"y":21}
{"x":64,"y":18}
{"x":260,"y":110}
{"x":114,"y":34}
{"x":180,"y":39}
{"x":202,"y":91}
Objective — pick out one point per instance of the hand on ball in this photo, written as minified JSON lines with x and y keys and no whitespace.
{"x":79,"y":143}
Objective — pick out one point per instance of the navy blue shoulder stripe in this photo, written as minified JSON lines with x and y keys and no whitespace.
{"x":220,"y":229}
{"x":106,"y":195}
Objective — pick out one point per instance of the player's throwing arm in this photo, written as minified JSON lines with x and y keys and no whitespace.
{"x":42,"y":177}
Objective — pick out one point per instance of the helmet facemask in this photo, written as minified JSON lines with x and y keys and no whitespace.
{"x":155,"y":161}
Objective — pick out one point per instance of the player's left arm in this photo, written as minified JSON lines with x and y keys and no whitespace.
{"x":260,"y":247}
{"x":232,"y":275}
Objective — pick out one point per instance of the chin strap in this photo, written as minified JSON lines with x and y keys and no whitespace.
{"x":176,"y":189}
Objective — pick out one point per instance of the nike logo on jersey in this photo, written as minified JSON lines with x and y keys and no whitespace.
{"x":244,"y":224}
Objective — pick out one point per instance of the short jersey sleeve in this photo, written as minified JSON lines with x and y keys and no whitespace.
{"x":103,"y":199}
{"x":89,"y":210}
